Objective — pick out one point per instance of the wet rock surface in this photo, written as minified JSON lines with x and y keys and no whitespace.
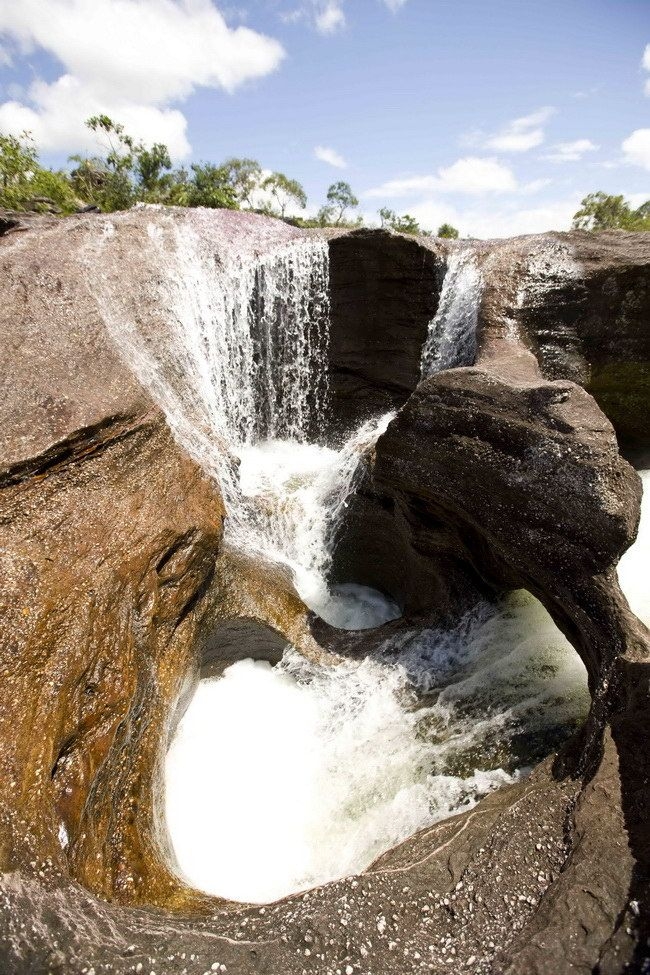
{"x":376,"y":336}
{"x":115,"y":579}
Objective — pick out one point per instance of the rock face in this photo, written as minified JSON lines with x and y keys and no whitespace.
{"x":116,"y":589}
{"x":583,"y":307}
{"x":376,"y":336}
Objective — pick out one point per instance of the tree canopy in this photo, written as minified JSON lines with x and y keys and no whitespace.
{"x":600,"y":211}
{"x":447,"y":230}
{"x":403,"y":224}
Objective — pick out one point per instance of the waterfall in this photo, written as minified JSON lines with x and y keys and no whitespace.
{"x":233,"y":351}
{"x":348,"y":760}
{"x":451,"y":338}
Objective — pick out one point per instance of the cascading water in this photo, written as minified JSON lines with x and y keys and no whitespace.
{"x":281,"y":778}
{"x":451,"y":338}
{"x":326,"y":768}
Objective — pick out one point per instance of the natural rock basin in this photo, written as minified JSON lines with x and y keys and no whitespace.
{"x":156,"y":527}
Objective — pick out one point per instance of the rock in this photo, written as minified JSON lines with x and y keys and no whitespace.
{"x":116,"y":589}
{"x":376,"y":336}
{"x":582,"y":304}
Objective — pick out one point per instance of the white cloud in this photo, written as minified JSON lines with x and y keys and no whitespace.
{"x":330,"y":156}
{"x":330,"y":17}
{"x":476,"y":175}
{"x":521,"y":134}
{"x":56,"y":113}
{"x":570,"y":151}
{"x":636,"y":148}
{"x":645,"y":63}
{"x":636,"y":199}
{"x":129,"y":58}
{"x":507,"y":221}
{"x":394,"y":5}
{"x":471,"y":175}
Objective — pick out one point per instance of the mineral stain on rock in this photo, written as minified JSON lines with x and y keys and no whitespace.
{"x":117,"y":588}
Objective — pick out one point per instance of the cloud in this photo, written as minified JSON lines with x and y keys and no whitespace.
{"x":56,"y":120}
{"x":470,"y":175}
{"x":506,"y":221}
{"x":331,"y":18}
{"x":327,"y":16}
{"x":521,"y":134}
{"x":636,"y":148}
{"x":570,"y":151}
{"x":130,"y":59}
{"x":645,"y":63}
{"x":330,"y":156}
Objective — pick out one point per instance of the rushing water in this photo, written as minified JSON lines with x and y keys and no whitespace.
{"x":325,"y":768}
{"x":451,"y":338}
{"x":281,"y":778}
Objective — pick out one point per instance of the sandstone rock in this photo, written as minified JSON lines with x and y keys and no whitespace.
{"x":116,"y":590}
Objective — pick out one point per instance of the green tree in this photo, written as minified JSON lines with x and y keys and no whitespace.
{"x":340,"y":198}
{"x":447,"y":230}
{"x":244,"y":177}
{"x":404,"y":224}
{"x":152,"y":170}
{"x":26,"y":185}
{"x":210,"y":186}
{"x":108,"y":181}
{"x":284,"y":191}
{"x":601,"y":211}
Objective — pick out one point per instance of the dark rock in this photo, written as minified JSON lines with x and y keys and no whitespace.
{"x":376,"y":335}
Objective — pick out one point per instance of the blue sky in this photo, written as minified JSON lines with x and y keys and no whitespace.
{"x":498,"y":115}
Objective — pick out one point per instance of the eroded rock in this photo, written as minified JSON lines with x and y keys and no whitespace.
{"x":500,"y":475}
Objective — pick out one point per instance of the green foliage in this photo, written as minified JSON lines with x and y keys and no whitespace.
{"x":404,"y":224}
{"x":26,"y":185}
{"x":448,"y":231}
{"x":244,"y":177}
{"x":284,"y":191}
{"x":339,"y":198}
{"x":207,"y":186}
{"x":600,"y":211}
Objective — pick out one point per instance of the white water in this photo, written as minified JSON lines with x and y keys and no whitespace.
{"x":236,"y":355}
{"x":451,"y":339}
{"x":282,"y":778}
{"x":293,"y":496}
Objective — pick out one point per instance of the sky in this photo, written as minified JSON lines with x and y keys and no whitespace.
{"x":495,"y":115}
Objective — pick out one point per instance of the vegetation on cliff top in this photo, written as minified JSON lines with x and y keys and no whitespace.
{"x":129,"y":172}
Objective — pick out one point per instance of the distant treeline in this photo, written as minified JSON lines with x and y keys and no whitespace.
{"x":130,"y":172}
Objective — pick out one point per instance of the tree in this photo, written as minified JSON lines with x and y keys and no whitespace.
{"x":209,"y":186}
{"x":26,"y":185}
{"x":285,"y":191}
{"x":244,"y":177}
{"x":600,"y":211}
{"x":108,"y":181}
{"x":151,"y":167}
{"x":405,"y":224}
{"x":446,"y":230}
{"x":341,"y":198}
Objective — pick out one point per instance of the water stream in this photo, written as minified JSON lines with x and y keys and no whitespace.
{"x":281,"y":778}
